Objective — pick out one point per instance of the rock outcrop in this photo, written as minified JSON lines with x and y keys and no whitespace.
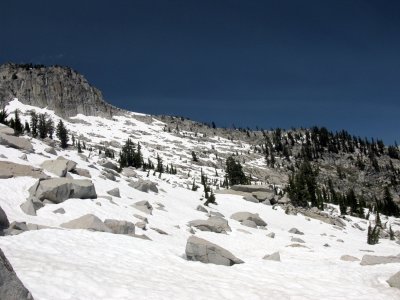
{"x":9,"y":169}
{"x":89,"y":222}
{"x":58,"y":190}
{"x":394,"y":281}
{"x":370,"y":260}
{"x":198,"y":249}
{"x":242,"y":216}
{"x":58,"y":88}
{"x":213,"y":224}
{"x":15,"y":142}
{"x":11,"y":288}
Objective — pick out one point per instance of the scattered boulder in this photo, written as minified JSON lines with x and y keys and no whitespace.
{"x":141,"y":225}
{"x":120,"y":227}
{"x":10,"y":286}
{"x":6,"y":130}
{"x":370,"y":260}
{"x":297,"y":246}
{"x":58,"y":190}
{"x":144,"y":219}
{"x":242,"y":216}
{"x":349,"y":258}
{"x":201,"y":208}
{"x":250,"y":198}
{"x":296,"y":231}
{"x":58,"y":167}
{"x":9,"y":169}
{"x":394,"y":281}
{"x":114,"y":192}
{"x":109,"y":176}
{"x":297,"y":240}
{"x":24,"y":157}
{"x":89,"y":222}
{"x":30,"y":206}
{"x":271,"y":235}
{"x":159,"y":230}
{"x":262,"y":196}
{"x":274,"y":256}
{"x":81,"y":172}
{"x":129,"y":172}
{"x":251,"y":188}
{"x":108,"y":165}
{"x":198,"y":249}
{"x":16,"y":142}
{"x":50,"y":150}
{"x":249,"y":223}
{"x":59,"y":211}
{"x":144,"y":206}
{"x":144,"y":186}
{"x":4,"y":223}
{"x":216,"y":214}
{"x":213,"y":224}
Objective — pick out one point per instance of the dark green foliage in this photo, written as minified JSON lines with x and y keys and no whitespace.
{"x":34,"y":123}
{"x":27,"y":129}
{"x":79,"y":147}
{"x":18,"y":127}
{"x":391,"y":233}
{"x":194,"y":157}
{"x":303,"y":187}
{"x":3,"y":117}
{"x":235,"y":172}
{"x":130,"y":155}
{"x":387,"y":206}
{"x":393,"y":152}
{"x":42,"y":126}
{"x":194,"y":186}
{"x":160,"y":166}
{"x":62,"y":134}
{"x":373,"y":235}
{"x":210,"y":199}
{"x":50,"y":127}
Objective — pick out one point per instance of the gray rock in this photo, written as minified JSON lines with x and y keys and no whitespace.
{"x":6,"y":130}
{"x":59,"y":211}
{"x":129,"y":172}
{"x":82,"y":172}
{"x":201,"y":208}
{"x":58,"y":167}
{"x":58,"y":190}
{"x":30,"y":206}
{"x":159,"y":230}
{"x":249,"y":223}
{"x":274,"y":256}
{"x":4,"y":223}
{"x":198,"y":249}
{"x":50,"y":150}
{"x":108,"y":165}
{"x":58,"y":88}
{"x":262,"y":196}
{"x":216,"y":214}
{"x":11,"y":288}
{"x":370,"y":260}
{"x":143,"y":206}
{"x":349,"y":258}
{"x":144,"y":186}
{"x":24,"y":157}
{"x":394,"y":281}
{"x":120,"y":227}
{"x":251,"y":188}
{"x":242,"y":216}
{"x":9,"y":169}
{"x":284,"y":200}
{"x":89,"y":222}
{"x":271,"y":235}
{"x":144,"y":219}
{"x":16,"y":142}
{"x":213,"y":224}
{"x":114,"y":192}
{"x":296,"y":231}
{"x":141,"y":225}
{"x":109,"y":176}
{"x":250,"y":198}
{"x":297,"y":240}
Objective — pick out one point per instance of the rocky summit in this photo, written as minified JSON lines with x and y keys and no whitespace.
{"x":101,"y":203}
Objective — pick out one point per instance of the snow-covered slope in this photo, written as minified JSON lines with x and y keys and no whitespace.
{"x":79,"y":264}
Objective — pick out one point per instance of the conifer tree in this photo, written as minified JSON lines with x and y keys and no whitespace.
{"x":18,"y":127}
{"x":42,"y":126}
{"x":3,"y":117}
{"x":194,"y":157}
{"x":79,"y":147}
{"x":50,"y":127}
{"x":27,"y":129}
{"x":62,"y":134}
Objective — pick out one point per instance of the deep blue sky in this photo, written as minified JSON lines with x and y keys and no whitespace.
{"x":267,"y":63}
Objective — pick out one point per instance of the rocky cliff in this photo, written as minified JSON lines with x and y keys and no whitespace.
{"x":59,"y":88}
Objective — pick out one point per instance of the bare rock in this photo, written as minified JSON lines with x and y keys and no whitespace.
{"x":274,"y":256}
{"x":242,"y":216}
{"x":89,"y":222}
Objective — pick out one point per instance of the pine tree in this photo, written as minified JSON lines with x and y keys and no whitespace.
{"x":79,"y":147}
{"x":3,"y":117}
{"x":194,"y":157}
{"x":62,"y":134}
{"x":391,"y":233}
{"x":34,"y":124}
{"x":42,"y":126}
{"x":50,"y":127}
{"x":18,"y":127}
{"x":210,"y":199}
{"x":194,"y":186}
{"x":234,"y":172}
{"x":27,"y":129}
{"x":160,"y":166}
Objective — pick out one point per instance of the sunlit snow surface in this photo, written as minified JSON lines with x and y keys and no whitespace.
{"x":78,"y":264}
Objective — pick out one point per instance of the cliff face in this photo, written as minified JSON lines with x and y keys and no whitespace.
{"x":59,"y":88}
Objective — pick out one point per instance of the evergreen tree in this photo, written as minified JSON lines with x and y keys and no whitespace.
{"x":160,"y":166}
{"x":79,"y":147}
{"x":62,"y":134}
{"x":27,"y":129}
{"x":194,"y":157}
{"x":42,"y":126}
{"x":210,"y":199}
{"x":234,"y":172}
{"x":18,"y":127}
{"x":3,"y":117}
{"x":50,"y":127}
{"x":391,"y":233}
